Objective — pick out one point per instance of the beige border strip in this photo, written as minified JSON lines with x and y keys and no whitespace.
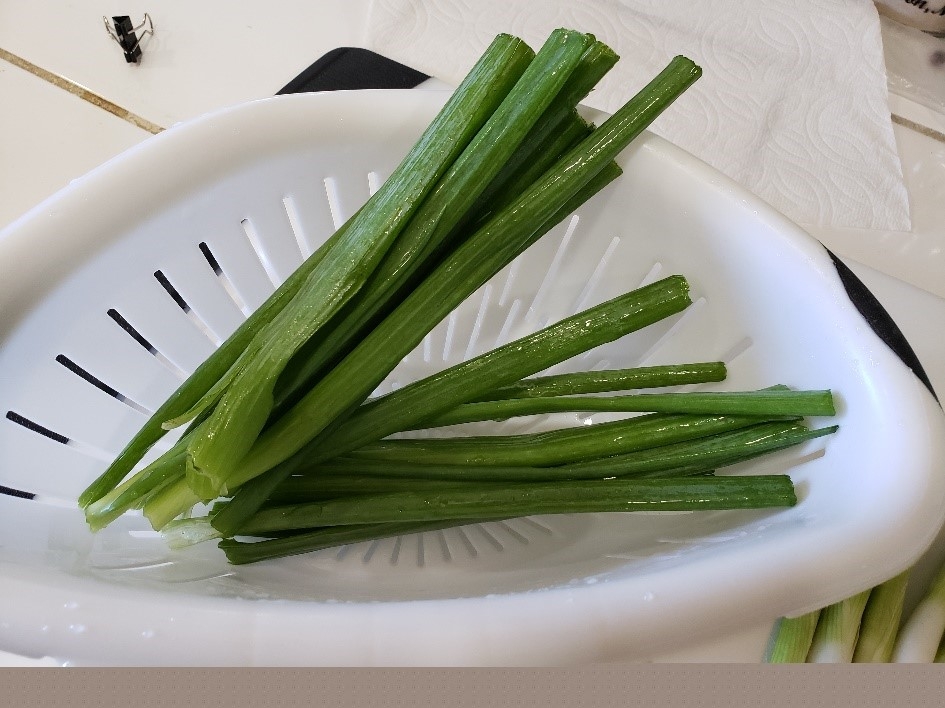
{"x":919,"y":128}
{"x":708,"y":685}
{"x":81,"y":92}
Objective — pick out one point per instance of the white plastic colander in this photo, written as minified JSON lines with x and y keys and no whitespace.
{"x":118,"y":286}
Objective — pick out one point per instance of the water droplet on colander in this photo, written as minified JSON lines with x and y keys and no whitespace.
{"x":649,"y":597}
{"x":147,"y":634}
{"x":77,"y":628}
{"x":591,"y":581}
{"x":72,"y":605}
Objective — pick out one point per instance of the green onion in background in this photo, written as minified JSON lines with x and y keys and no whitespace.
{"x":921,"y":634}
{"x":868,"y":627}
{"x":837,"y":630}
{"x":792,"y":639}
{"x":880,"y":622}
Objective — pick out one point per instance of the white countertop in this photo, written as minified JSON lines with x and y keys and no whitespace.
{"x":214,"y":54}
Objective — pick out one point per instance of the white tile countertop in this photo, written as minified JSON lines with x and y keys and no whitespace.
{"x":71,"y":102}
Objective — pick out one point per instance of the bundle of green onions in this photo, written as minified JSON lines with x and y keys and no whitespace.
{"x":282,"y":438}
{"x":869,"y":627}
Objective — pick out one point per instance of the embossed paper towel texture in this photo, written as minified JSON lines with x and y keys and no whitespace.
{"x":792,"y":103}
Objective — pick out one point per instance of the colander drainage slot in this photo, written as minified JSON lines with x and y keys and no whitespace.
{"x":596,"y":276}
{"x":188,"y":310}
{"x":490,"y":539}
{"x":259,"y":247}
{"x":551,"y":275}
{"x":101,"y":385}
{"x":295,"y":225}
{"x":513,"y":533}
{"x":503,"y":336}
{"x":742,"y":346}
{"x":470,"y":547}
{"x":76,"y":445}
{"x":224,"y":280}
{"x":477,"y":325}
{"x":139,"y":338}
{"x":334,"y":202}
{"x":10,"y":492}
{"x":36,"y":427}
{"x":692,"y":311}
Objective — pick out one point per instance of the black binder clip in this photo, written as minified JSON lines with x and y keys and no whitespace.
{"x":126,"y":35}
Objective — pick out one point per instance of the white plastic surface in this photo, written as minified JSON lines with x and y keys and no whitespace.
{"x":261,"y":185}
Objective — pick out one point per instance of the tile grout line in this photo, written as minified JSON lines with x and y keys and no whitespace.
{"x":918,"y":128}
{"x":81,"y":92}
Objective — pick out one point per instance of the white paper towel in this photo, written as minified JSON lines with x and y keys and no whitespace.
{"x":792,"y":103}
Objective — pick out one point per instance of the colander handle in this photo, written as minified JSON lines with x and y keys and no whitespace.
{"x":349,"y":68}
{"x":879,"y":320}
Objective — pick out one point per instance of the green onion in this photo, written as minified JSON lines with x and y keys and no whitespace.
{"x":686,"y":494}
{"x":792,"y":639}
{"x":182,"y":533}
{"x":681,"y":459}
{"x":555,"y":447}
{"x":580,"y":382}
{"x":760,"y":403}
{"x":880,"y":623}
{"x":308,"y":488}
{"x":923,"y":631}
{"x":132,"y":492}
{"x":702,"y":454}
{"x":240,"y":552}
{"x":168,"y":502}
{"x":688,"y":457}
{"x":546,"y":143}
{"x":837,"y":630}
